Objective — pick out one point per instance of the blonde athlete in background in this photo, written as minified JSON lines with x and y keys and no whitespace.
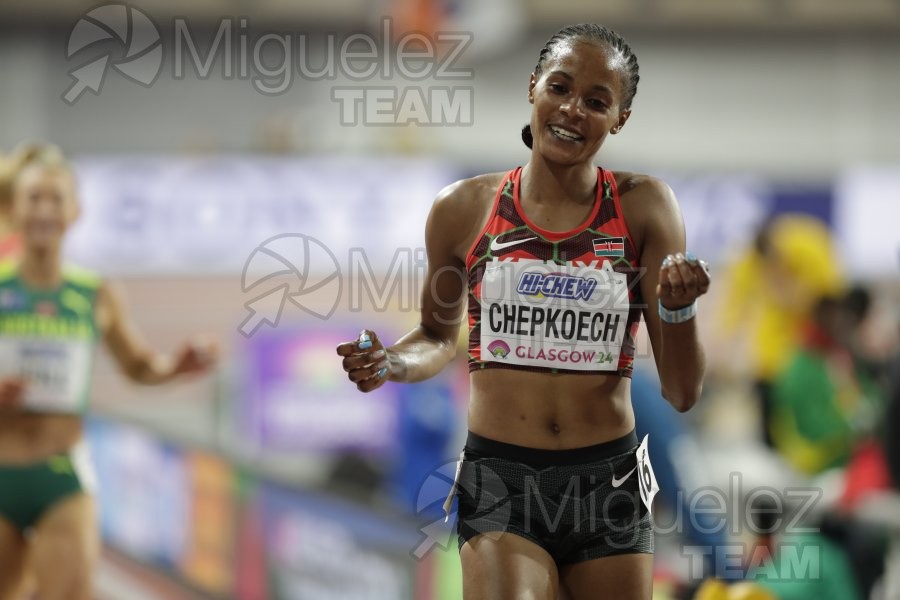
{"x":50,"y":319}
{"x":559,"y":260}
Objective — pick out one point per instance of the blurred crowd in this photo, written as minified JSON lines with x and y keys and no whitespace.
{"x":818,"y":353}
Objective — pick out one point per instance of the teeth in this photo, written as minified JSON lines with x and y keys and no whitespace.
{"x":564,"y":133}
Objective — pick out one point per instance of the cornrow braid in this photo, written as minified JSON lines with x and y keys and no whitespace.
{"x":591,"y":32}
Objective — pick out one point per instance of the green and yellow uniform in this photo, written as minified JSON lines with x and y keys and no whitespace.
{"x":47,"y":337}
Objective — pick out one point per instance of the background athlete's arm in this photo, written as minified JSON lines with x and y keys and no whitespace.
{"x":139,"y":362}
{"x":430,"y":346}
{"x":12,"y":393}
{"x":679,"y":357}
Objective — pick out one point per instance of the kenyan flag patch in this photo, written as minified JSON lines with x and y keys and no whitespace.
{"x":613,"y":246}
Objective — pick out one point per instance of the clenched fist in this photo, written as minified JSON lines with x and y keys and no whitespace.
{"x":365,"y":361}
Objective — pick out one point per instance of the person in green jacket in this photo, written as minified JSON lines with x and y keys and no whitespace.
{"x":824,"y":403}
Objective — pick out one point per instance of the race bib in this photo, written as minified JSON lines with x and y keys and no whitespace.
{"x":56,"y":371}
{"x":558,"y":316}
{"x":646,"y":477}
{"x":448,"y":502}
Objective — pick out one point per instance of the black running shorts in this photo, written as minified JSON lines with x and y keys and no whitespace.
{"x":577,"y":504}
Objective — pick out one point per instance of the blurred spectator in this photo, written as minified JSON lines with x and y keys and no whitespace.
{"x":769,"y":293}
{"x":828,"y":405}
{"x":891,"y":434}
{"x":824,"y":403}
{"x":9,"y":241}
{"x":872,"y":343}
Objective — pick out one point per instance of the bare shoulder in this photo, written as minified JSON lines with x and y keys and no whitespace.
{"x":461,"y":209}
{"x":109,"y":291}
{"x":648,"y":204}
{"x":468,"y":195}
{"x":646,"y":188}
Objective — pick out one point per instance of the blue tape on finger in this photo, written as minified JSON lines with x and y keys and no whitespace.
{"x":364,"y":341}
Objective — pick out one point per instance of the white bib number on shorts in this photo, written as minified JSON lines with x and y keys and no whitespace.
{"x":646,"y":477}
{"x":543,"y":314}
{"x":448,"y":502}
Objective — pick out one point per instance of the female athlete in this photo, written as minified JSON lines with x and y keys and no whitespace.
{"x":558,"y":260}
{"x":50,"y":317}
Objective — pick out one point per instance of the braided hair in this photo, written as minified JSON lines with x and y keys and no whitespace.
{"x":591,"y":32}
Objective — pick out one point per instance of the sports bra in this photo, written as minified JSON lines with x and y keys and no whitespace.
{"x":560,"y":302}
{"x":49,"y":337}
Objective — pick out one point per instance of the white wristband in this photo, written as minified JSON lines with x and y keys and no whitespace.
{"x":680,"y":315}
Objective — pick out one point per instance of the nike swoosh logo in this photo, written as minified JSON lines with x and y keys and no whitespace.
{"x":495,"y":245}
{"x":617,"y":482}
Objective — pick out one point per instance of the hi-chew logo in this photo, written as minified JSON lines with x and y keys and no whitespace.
{"x":614,"y":246}
{"x":556,"y":285}
{"x":498,"y":349}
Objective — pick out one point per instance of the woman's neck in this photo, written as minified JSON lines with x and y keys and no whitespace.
{"x":547,"y":183}
{"x":41,"y":268}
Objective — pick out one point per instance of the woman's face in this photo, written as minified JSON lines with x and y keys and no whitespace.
{"x":577,"y":101}
{"x":44,"y":205}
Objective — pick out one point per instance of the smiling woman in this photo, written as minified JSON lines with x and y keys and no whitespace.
{"x":558,"y":260}
{"x":622,"y":61}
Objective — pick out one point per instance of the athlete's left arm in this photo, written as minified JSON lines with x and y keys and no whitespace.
{"x":680,"y":359}
{"x":137,"y":360}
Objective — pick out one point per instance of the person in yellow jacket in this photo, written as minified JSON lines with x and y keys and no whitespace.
{"x":770,"y":293}
{"x":718,"y":590}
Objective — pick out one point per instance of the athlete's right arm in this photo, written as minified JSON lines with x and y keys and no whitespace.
{"x":137,"y":360}
{"x":431,"y":345}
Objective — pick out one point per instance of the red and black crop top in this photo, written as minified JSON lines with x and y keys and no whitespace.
{"x":549,"y":301}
